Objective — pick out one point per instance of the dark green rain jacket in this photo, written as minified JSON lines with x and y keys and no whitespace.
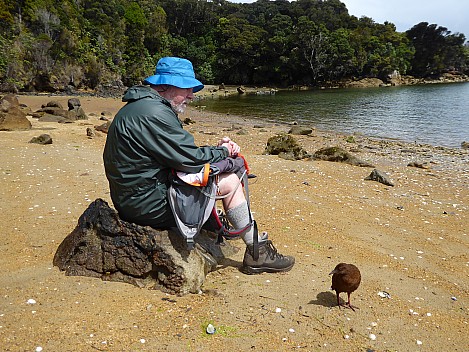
{"x":145,"y":142}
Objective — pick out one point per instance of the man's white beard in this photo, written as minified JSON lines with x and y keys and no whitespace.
{"x":180,"y":108}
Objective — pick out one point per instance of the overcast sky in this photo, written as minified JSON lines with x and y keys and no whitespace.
{"x":452,"y":14}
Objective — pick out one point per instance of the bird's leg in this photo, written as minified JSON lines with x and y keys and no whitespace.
{"x":338,"y":299}
{"x":349,"y":304}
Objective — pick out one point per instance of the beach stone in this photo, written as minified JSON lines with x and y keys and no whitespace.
{"x":298,"y":130}
{"x":104,"y":246}
{"x":379,"y":176}
{"x":104,"y":127}
{"x":12,"y":118}
{"x":42,"y":139}
{"x":465,"y":145}
{"x":90,"y":132}
{"x":423,"y":165}
{"x":188,"y":121}
{"x":338,"y":154}
{"x":286,"y":147}
{"x":242,"y":132}
{"x":77,"y":114}
{"x":51,"y":118}
{"x":54,"y":108}
{"x":106,"y":114}
{"x":241,"y":90}
{"x":52,"y":104}
{"x":73,"y":103}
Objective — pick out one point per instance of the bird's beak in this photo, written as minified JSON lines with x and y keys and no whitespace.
{"x":332,"y":272}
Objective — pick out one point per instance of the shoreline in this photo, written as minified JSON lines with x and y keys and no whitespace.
{"x":213,"y":92}
{"x":233,"y":122}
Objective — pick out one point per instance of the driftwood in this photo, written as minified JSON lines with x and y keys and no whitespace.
{"x":104,"y":246}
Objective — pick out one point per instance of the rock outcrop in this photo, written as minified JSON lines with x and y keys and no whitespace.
{"x":338,"y":154}
{"x":104,"y":246}
{"x":12,"y":118}
{"x":286,"y":147}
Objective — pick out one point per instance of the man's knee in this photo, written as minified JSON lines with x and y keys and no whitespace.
{"x":228,"y":182}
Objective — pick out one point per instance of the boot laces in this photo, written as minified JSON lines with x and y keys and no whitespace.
{"x":272,"y":251}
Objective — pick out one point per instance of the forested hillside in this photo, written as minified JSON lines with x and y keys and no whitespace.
{"x":49,"y":45}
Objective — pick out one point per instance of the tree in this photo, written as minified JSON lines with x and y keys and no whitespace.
{"x":238,"y":54}
{"x":312,"y":41}
{"x":436,"y":50}
{"x":6,"y":18}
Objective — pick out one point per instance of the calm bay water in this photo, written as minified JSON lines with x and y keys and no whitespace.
{"x":436,"y":114}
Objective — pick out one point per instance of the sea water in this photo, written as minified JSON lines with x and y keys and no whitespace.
{"x":436,"y":114}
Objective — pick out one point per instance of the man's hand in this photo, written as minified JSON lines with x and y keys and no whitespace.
{"x":233,"y":148}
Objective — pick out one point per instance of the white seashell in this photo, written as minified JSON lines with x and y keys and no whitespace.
{"x":291,"y":330}
{"x":210,"y":329}
{"x":142,"y":341}
{"x":419,"y":342}
{"x":372,"y":337}
{"x":384,"y":294}
{"x":31,"y":301}
{"x":278,"y":310}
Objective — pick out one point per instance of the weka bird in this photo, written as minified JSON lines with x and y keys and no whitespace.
{"x":345,"y":278}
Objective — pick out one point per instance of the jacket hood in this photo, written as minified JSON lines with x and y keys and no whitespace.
{"x":140,"y":92}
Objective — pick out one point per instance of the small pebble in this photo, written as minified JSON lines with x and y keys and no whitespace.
{"x":31,"y":301}
{"x":142,"y":341}
{"x":38,"y":349}
{"x":454,"y":298}
{"x":372,"y":337}
{"x":291,"y":330}
{"x":278,"y":310}
{"x":419,"y":342}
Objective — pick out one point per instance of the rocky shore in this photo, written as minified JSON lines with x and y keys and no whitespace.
{"x":410,"y":242}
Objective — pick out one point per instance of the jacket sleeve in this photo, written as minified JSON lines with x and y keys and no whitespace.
{"x":172,"y":146}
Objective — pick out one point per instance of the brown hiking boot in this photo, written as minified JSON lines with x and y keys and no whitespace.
{"x":265,"y":259}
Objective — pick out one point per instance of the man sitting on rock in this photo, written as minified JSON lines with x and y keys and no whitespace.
{"x":146,"y":141}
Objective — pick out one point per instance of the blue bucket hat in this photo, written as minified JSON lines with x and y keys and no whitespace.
{"x":175,"y":71}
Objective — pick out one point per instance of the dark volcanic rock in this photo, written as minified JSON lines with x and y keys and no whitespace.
{"x":300,"y":131}
{"x":338,"y":154}
{"x":104,"y":127}
{"x":42,"y":139}
{"x":380,"y":177}
{"x":104,"y":246}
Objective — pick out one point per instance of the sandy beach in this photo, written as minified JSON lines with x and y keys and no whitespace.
{"x":410,"y":242}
